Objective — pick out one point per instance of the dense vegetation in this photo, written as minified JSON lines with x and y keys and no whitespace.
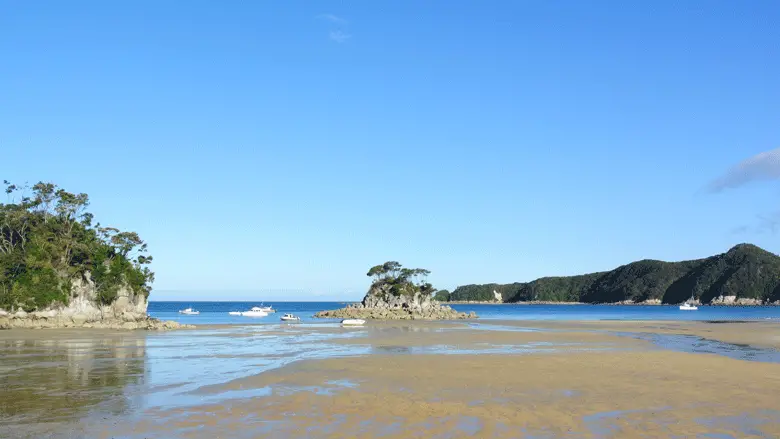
{"x":47,"y":240}
{"x":745,"y":271}
{"x":394,"y":279}
{"x":442,"y":296}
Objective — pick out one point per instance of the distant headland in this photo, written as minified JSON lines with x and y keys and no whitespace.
{"x":744,"y":275}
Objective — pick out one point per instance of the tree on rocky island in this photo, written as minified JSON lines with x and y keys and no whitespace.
{"x":399,"y":280}
{"x":398,"y":293}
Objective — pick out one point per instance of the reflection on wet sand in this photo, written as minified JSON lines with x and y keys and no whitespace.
{"x":49,"y":384}
{"x":390,"y":380}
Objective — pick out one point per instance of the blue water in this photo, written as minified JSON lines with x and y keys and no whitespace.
{"x":217,"y":312}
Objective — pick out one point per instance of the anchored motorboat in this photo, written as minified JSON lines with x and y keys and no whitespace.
{"x":256,"y":311}
{"x":353,"y":322}
{"x":688,"y":305}
{"x":290,"y":318}
{"x":189,"y":312}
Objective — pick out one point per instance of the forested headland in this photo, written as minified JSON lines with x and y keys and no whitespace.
{"x":746,"y":274}
{"x":48,"y":242}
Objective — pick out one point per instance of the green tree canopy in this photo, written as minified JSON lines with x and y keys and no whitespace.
{"x":400,"y":280}
{"x":47,"y":239}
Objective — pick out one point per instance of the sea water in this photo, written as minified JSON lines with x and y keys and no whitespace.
{"x":217,"y":312}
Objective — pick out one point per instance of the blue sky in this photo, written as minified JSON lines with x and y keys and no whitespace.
{"x":279,"y":149}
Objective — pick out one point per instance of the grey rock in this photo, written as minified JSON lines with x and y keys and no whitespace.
{"x":79,"y":319}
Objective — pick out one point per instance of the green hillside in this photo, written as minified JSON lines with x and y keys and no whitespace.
{"x":745,"y":271}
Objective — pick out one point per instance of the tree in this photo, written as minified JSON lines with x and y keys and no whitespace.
{"x":400,"y":280}
{"x":48,"y":239}
{"x":442,"y":296}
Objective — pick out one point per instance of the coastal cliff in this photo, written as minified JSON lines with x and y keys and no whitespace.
{"x":397,"y":293}
{"x":57,"y":269}
{"x":84,"y":310}
{"x":744,"y":275}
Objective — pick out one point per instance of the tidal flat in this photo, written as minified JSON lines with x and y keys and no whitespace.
{"x":491,"y":379}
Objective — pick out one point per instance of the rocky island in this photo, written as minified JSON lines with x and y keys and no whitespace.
{"x":58,"y":270}
{"x":398,"y":293}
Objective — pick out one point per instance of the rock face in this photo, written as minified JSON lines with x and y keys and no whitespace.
{"x":379,"y":304}
{"x":733,"y":300}
{"x":128,"y":311}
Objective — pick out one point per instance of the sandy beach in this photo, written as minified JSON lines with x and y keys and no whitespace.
{"x":396,"y":380}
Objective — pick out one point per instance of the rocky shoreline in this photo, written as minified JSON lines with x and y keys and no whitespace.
{"x":22,"y":320}
{"x":126,"y":312}
{"x":718,"y":301}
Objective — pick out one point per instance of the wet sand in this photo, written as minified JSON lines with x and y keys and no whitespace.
{"x":398,"y":380}
{"x":754,"y":333}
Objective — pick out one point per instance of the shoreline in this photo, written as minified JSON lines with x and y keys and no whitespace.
{"x":724,"y":305}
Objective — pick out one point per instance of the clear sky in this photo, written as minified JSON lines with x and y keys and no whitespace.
{"x":270,"y":150}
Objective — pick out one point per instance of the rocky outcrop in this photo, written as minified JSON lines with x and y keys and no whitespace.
{"x":733,"y":300}
{"x":128,"y":311}
{"x":380,"y":304}
{"x":23,"y":320}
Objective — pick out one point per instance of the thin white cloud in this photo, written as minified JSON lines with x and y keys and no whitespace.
{"x":335,"y":19}
{"x":764,"y":166}
{"x":339,"y":36}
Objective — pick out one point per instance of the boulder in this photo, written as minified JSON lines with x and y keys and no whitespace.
{"x":79,"y":319}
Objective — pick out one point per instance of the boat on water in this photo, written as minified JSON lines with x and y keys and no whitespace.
{"x":353,"y":322}
{"x":290,"y":318}
{"x":267,"y":309}
{"x":189,"y":312}
{"x":688,"y":305}
{"x":235,"y":313}
{"x":256,"y":311}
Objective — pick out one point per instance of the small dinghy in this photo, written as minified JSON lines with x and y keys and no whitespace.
{"x":290,"y":318}
{"x":189,"y":312}
{"x":353,"y":322}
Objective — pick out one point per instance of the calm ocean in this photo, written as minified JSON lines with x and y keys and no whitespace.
{"x":217,"y":312}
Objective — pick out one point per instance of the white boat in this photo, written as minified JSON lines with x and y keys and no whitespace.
{"x":688,"y":306}
{"x":189,"y":312}
{"x":267,"y":309}
{"x":290,"y":318}
{"x":254,"y":312}
{"x":235,"y":313}
{"x":353,"y":322}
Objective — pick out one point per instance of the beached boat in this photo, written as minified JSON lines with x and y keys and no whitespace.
{"x":290,"y":318}
{"x":688,"y":307}
{"x":189,"y":312}
{"x":353,"y":322}
{"x":256,"y":311}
